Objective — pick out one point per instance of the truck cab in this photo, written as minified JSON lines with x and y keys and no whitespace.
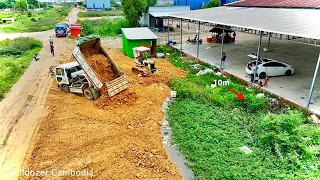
{"x":61,"y":30}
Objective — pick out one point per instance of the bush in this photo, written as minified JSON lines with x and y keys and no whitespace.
{"x":103,"y":27}
{"x":29,"y":14}
{"x":100,"y":13}
{"x":15,"y":57}
{"x":18,"y":46}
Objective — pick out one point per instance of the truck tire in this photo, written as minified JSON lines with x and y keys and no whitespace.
{"x":95,"y":94}
{"x":88,"y":93}
{"x":65,"y":89}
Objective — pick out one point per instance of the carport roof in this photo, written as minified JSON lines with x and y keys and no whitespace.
{"x":164,"y":11}
{"x":138,"y":33}
{"x":294,"y":22}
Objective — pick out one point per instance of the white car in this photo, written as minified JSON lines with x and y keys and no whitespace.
{"x":270,"y":67}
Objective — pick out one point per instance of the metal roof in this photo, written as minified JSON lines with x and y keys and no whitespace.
{"x":164,"y":11}
{"x":278,"y":3}
{"x":138,"y":33}
{"x":294,"y":22}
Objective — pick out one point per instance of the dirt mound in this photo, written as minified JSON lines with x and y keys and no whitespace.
{"x":100,"y":64}
{"x":125,"y":97}
{"x":117,"y":137}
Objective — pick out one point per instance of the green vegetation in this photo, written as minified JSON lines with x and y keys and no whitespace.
{"x":115,"y":4}
{"x":210,"y":125}
{"x":34,"y":21}
{"x":103,"y":27}
{"x":133,"y":10}
{"x":15,"y":57}
{"x":100,"y":13}
{"x":212,"y":3}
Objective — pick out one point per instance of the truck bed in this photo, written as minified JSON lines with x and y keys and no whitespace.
{"x":99,"y":67}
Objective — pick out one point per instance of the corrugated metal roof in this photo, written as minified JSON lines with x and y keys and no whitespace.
{"x":164,"y":11}
{"x":138,"y":33}
{"x":278,"y":3}
{"x":295,"y":22}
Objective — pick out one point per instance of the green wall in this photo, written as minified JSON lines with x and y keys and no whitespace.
{"x":127,"y":45}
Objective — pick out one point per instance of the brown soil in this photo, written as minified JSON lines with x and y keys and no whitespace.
{"x":100,"y":64}
{"x":118,"y":137}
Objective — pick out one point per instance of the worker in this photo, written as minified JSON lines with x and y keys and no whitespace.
{"x":35,"y":57}
{"x":51,"y":40}
{"x":52,"y":49}
{"x":223,"y":59}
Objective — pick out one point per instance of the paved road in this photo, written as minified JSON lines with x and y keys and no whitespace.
{"x":24,"y":106}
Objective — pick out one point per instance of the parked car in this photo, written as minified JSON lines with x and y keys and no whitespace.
{"x":61,"y":30}
{"x":270,"y":67}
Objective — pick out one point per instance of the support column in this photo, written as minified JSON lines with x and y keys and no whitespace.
{"x":180,"y":34}
{"x":269,"y":42}
{"x":168,"y":32}
{"x":258,"y":54}
{"x":222,"y":43}
{"x":198,"y":40}
{"x":313,"y":82}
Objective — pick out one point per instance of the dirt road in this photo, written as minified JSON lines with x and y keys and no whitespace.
{"x":23,"y":106}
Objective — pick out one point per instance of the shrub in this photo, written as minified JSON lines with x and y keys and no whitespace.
{"x":285,"y":133}
{"x":29,"y":14}
{"x":18,"y":46}
{"x":104,"y":26}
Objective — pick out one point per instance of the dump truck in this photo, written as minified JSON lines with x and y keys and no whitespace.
{"x":85,"y":77}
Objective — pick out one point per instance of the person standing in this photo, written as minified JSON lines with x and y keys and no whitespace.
{"x":52,"y":49}
{"x":51,"y":40}
{"x":223,"y":59}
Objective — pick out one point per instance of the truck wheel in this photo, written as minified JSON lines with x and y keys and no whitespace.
{"x":262,"y":75}
{"x":95,"y":94}
{"x":88,"y":94}
{"x":66,"y":89}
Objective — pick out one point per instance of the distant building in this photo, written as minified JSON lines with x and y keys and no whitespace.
{"x":194,"y":4}
{"x":98,"y":4}
{"x":164,"y":2}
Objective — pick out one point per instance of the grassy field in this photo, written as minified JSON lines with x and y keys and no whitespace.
{"x":103,"y":27}
{"x":210,"y":125}
{"x":100,"y":13}
{"x":34,"y":21}
{"x":15,"y":57}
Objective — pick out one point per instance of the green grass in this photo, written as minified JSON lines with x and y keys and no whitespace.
{"x":13,"y":66}
{"x":210,"y":125}
{"x":103,"y":27}
{"x":34,"y":21}
{"x":100,"y":13}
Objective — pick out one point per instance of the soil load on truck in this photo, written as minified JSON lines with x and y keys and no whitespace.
{"x":100,"y":64}
{"x":104,"y":75}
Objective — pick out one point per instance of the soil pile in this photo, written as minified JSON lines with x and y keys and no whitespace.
{"x":117,"y":137}
{"x":100,"y":64}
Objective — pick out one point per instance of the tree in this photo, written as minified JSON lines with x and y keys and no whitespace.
{"x":20,"y":4}
{"x":133,"y":10}
{"x":115,"y":4}
{"x":212,"y":3}
{"x":151,"y":2}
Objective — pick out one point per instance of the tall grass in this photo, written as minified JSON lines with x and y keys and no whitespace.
{"x":103,"y":27}
{"x":100,"y":13}
{"x":15,"y":57}
{"x":210,"y":125}
{"x":34,"y":21}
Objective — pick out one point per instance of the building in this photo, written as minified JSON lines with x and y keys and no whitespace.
{"x":156,"y":14}
{"x":278,"y":3}
{"x":98,"y":4}
{"x":165,"y":3}
{"x":194,"y":4}
{"x":136,"y":37}
{"x":223,"y":2}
